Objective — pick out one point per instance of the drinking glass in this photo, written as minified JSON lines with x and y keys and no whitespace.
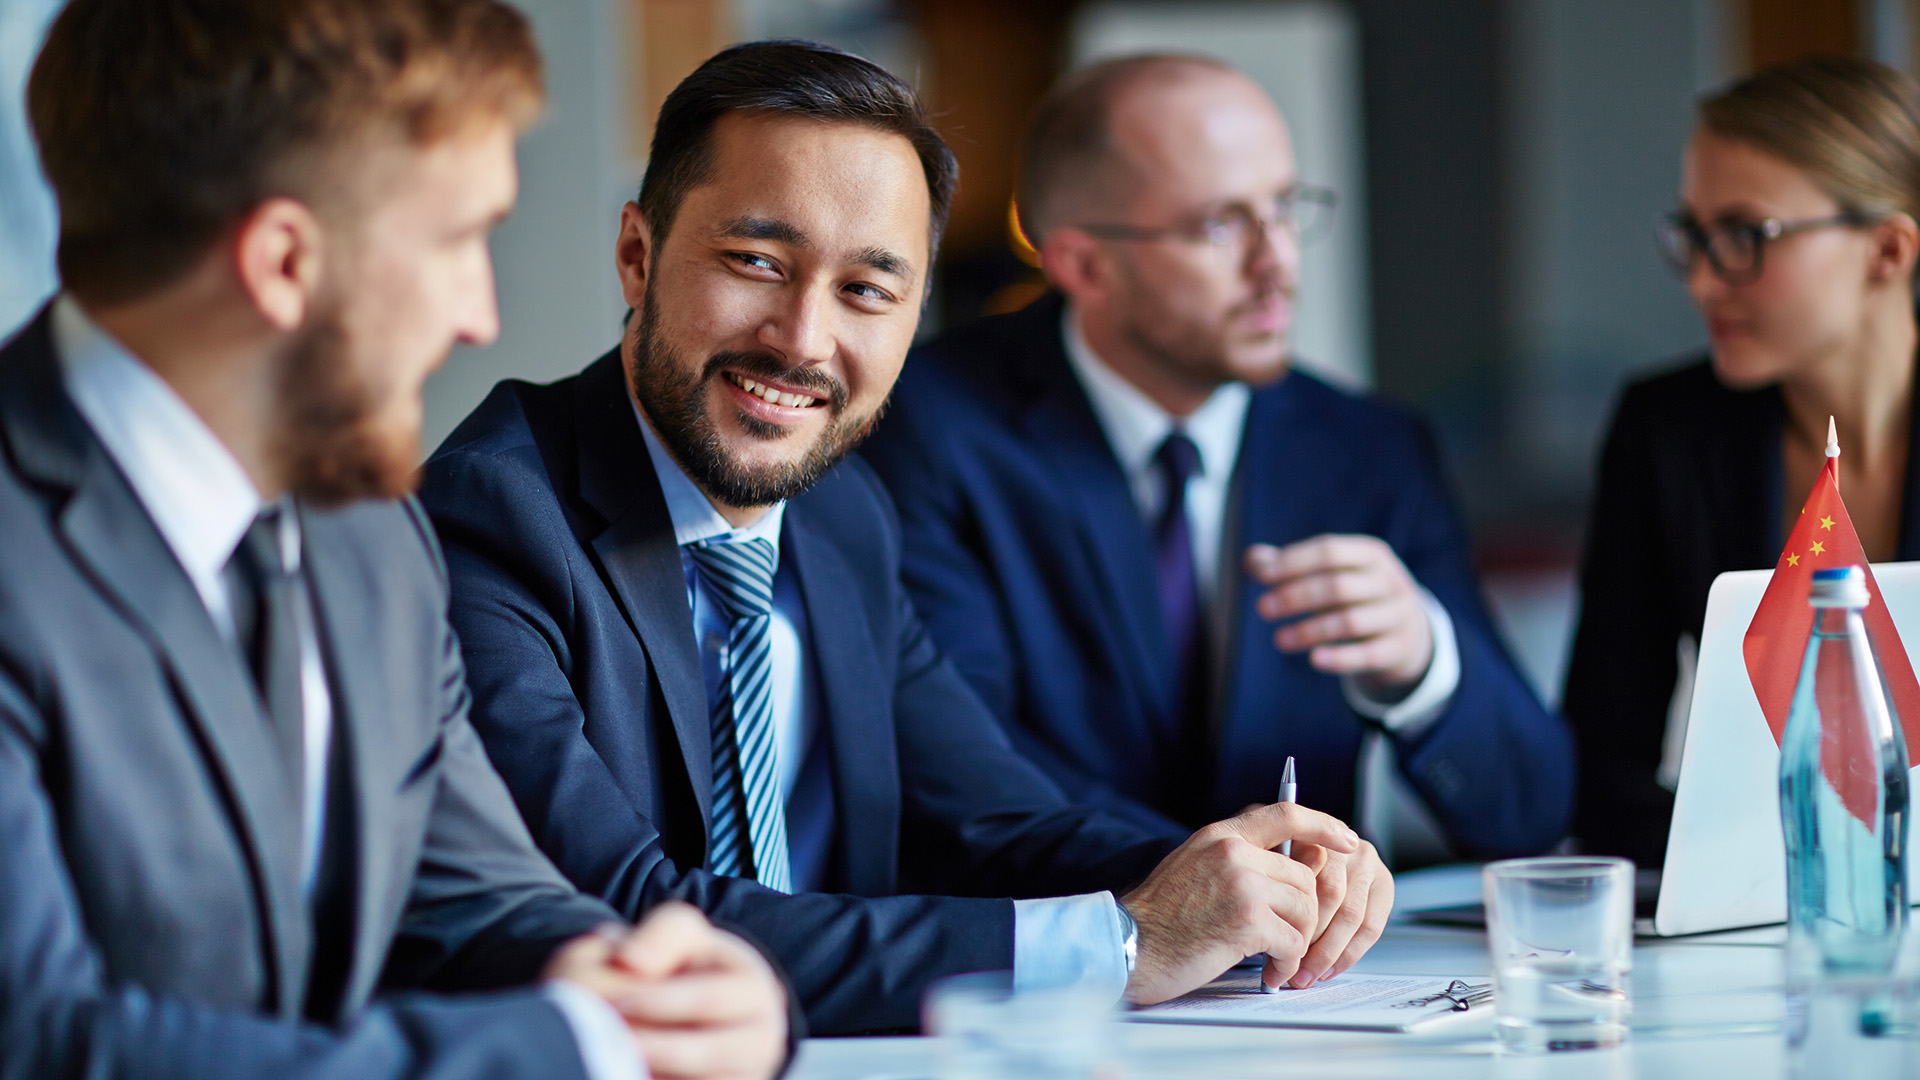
{"x":1561,"y":934}
{"x":992,"y":1032}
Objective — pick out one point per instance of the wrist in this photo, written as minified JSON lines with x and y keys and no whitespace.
{"x":1129,"y":937}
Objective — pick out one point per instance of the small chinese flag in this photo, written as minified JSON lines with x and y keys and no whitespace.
{"x":1776,"y":641}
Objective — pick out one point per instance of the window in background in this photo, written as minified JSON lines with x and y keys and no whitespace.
{"x":27,"y":224}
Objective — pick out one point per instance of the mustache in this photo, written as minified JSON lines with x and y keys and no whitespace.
{"x":765,"y":365}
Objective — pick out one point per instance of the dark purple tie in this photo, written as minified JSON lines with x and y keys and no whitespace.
{"x":1179,"y":461}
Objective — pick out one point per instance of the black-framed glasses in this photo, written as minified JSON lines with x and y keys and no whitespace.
{"x":1735,"y":249}
{"x":1304,"y":209}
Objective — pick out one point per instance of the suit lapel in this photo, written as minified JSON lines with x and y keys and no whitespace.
{"x":352,"y":625}
{"x":111,"y":537}
{"x":641,"y":559}
{"x":859,"y":710}
{"x":1275,"y":501}
{"x":1087,"y":480}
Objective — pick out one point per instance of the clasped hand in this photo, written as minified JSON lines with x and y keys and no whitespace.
{"x":700,"y":1001}
{"x":1227,"y":893}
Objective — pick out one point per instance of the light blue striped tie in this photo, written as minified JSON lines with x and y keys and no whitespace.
{"x":746,"y":773}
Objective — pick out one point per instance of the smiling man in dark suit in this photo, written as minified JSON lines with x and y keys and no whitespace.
{"x":691,"y":655}
{"x":1166,"y":560}
{"x":246,"y":830}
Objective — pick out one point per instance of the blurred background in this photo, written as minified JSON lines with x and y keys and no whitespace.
{"x":1500,"y":164}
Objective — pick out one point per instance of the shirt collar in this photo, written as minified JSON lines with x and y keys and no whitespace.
{"x":191,"y":485}
{"x":1136,"y":425}
{"x":694,"y":516}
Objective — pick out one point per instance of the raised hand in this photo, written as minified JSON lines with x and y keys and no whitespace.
{"x":1357,"y":608}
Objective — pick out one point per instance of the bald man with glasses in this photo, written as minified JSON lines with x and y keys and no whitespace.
{"x":1167,"y":560}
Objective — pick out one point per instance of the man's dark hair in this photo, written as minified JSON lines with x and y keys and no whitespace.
{"x":791,"y":78}
{"x":162,"y":123}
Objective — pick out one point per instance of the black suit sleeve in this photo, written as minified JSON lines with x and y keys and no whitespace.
{"x":1621,"y":675}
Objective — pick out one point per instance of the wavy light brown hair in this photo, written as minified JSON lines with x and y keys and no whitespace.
{"x":1853,"y":125}
{"x":162,"y":123}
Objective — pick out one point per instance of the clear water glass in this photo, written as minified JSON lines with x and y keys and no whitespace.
{"x":990,"y":1032}
{"x":1561,"y":934}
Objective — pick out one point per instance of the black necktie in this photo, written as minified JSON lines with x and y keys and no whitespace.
{"x":268,"y":631}
{"x":1188,"y":732}
{"x":263,"y":595}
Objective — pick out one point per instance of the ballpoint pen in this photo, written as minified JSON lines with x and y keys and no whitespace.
{"x":1287,"y":794}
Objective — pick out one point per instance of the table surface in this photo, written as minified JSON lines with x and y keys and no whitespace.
{"x":1707,"y":1006}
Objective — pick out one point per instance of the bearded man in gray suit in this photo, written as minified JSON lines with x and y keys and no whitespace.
{"x":246,"y":829}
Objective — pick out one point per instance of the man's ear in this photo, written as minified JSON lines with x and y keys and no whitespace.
{"x":278,"y":255}
{"x":1077,"y":264}
{"x":631,"y":253}
{"x":1896,"y":247}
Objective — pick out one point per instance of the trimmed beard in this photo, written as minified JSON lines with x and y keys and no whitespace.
{"x":675,"y":400}
{"x":331,"y":441}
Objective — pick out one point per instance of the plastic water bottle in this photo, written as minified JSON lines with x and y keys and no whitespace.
{"x":1846,"y":865}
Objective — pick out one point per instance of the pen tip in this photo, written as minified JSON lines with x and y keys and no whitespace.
{"x":1286,"y":775}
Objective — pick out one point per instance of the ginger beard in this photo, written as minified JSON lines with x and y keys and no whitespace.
{"x":675,"y":398}
{"x":342,"y":437}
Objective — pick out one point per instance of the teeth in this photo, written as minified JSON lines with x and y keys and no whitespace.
{"x":769,"y":394}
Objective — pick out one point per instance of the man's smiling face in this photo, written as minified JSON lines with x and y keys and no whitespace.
{"x":777,"y":311}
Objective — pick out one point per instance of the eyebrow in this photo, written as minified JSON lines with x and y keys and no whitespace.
{"x":750,"y":227}
{"x":885,"y":262}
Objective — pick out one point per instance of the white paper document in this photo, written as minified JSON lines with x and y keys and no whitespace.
{"x":1349,"y":1002}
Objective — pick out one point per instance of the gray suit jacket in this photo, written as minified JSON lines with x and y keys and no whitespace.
{"x":152,"y":919}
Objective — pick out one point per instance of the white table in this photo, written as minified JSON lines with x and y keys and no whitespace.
{"x":1703,"y":1007}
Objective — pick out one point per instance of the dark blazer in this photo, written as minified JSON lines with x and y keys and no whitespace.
{"x":571,"y":605}
{"x":152,"y":921}
{"x":1030,"y":561}
{"x":1690,"y":486}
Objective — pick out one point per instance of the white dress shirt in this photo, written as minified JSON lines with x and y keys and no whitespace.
{"x":202,"y":502}
{"x":1135,"y":425}
{"x":1056,"y":940}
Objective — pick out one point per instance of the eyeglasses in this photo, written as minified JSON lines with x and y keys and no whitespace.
{"x":1734,"y":249}
{"x":1304,"y":209}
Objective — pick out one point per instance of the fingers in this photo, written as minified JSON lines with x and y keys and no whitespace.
{"x":1385,"y":653}
{"x":584,"y":961}
{"x":1271,"y":825}
{"x":1330,"y":884}
{"x":1270,"y":565}
{"x":672,"y":938}
{"x":724,"y":1052}
{"x":701,"y":999}
{"x":1379,"y":907}
{"x":1323,"y":590}
{"x":1356,"y":923}
{"x":1360,"y":622}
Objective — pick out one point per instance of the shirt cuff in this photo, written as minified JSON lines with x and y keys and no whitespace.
{"x":1412,"y":714}
{"x":1069,"y":941}
{"x":607,"y":1047}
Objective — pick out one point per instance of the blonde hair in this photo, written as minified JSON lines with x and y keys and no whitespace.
{"x":1853,"y":125}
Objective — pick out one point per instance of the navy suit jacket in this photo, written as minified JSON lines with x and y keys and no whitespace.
{"x":152,"y":919}
{"x":1028,"y":558}
{"x":571,"y":604}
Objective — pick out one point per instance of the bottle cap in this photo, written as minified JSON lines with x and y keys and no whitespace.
{"x":1842,"y":586}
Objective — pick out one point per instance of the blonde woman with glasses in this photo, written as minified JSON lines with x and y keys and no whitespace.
{"x":1795,"y":234}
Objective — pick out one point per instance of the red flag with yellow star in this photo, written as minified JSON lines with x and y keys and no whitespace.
{"x":1776,"y":641}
